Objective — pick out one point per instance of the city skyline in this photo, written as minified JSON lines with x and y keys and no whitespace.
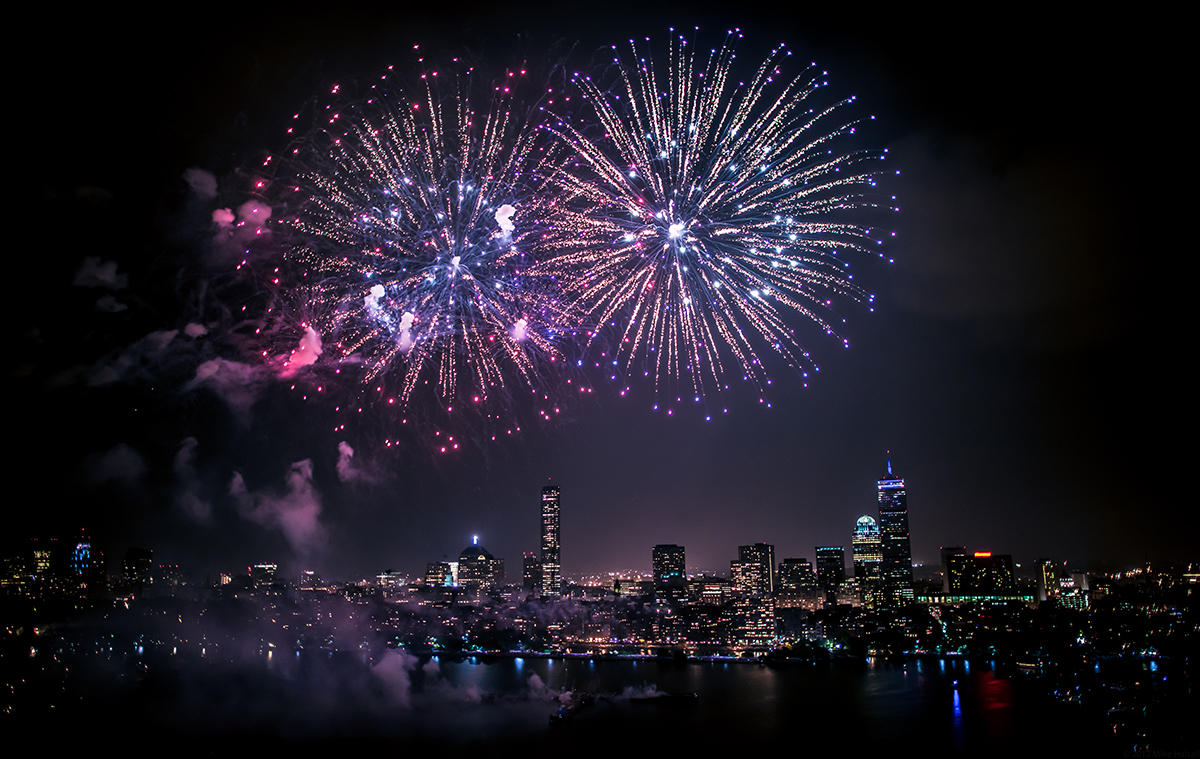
{"x":1026,"y":413}
{"x":864,"y":564}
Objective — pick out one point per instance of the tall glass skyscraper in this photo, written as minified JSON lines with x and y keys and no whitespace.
{"x":893,"y":530}
{"x":761,"y":576}
{"x":551,"y":569}
{"x":868,"y":560}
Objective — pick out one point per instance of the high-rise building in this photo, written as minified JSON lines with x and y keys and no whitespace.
{"x":262,"y":575}
{"x":893,"y":529}
{"x":981,"y":574}
{"x":947,"y":552}
{"x":1046,"y":573}
{"x":797,"y":574}
{"x":758,"y":566}
{"x":438,"y":573}
{"x":668,"y":564}
{"x":136,"y":569}
{"x":476,"y":566}
{"x":867,"y":544}
{"x":531,"y":577}
{"x":551,"y":568}
{"x":831,"y":570}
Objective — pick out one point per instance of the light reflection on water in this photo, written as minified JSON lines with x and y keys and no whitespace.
{"x":744,"y":701}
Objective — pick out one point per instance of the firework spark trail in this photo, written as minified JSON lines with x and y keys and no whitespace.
{"x":413,"y":236}
{"x":712,"y":215}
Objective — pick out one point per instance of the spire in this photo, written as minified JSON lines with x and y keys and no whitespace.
{"x":888,"y":473}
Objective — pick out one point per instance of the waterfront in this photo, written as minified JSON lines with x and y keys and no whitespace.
{"x":944,"y":706}
{"x":316,"y":700}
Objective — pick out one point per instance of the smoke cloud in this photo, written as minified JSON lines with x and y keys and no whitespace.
{"x":295,"y":513}
{"x":347,"y":471}
{"x":504,"y":216}
{"x":132,"y":360}
{"x":223,"y":218}
{"x":405,"y":343}
{"x":235,"y":383}
{"x":518,"y":332}
{"x":305,"y":354}
{"x":110,"y":304}
{"x":120,"y":463}
{"x":202,"y":182}
{"x":93,"y":273}
{"x":188,"y":500}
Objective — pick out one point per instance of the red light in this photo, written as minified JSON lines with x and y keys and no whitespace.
{"x":983,"y":554}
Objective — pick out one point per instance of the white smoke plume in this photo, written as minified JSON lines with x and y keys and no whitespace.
{"x":518,"y":332}
{"x":237,"y":230}
{"x":405,"y":342}
{"x":504,"y":216}
{"x":296,"y":513}
{"x":304,"y":354}
{"x":235,"y":383}
{"x":194,"y":330}
{"x":372,"y":300}
{"x":394,"y":671}
{"x":347,"y":471}
{"x":253,"y":214}
{"x":202,"y":182}
{"x":223,"y":218}
{"x":188,"y":499}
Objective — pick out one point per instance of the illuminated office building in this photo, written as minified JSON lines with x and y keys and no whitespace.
{"x":262,"y":575}
{"x":1046,"y":573}
{"x":438,"y":573}
{"x":531,"y":576}
{"x":758,"y":568}
{"x":981,"y":573}
{"x":831,"y":570}
{"x":893,"y":528}
{"x":476,"y":566}
{"x":947,"y":552}
{"x":551,"y":568}
{"x":797,"y":574}
{"x":867,"y":544}
{"x":137,"y":568}
{"x":668,"y":566}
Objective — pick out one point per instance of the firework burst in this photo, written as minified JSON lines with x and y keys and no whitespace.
{"x":714,"y":212}
{"x":412,"y":224}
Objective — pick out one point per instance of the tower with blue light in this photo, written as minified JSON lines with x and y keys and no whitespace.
{"x":893,"y":532}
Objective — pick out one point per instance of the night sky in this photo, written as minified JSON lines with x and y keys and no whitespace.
{"x":1021,"y":363}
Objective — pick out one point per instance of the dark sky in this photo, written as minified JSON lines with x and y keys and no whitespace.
{"x":1022,"y":364}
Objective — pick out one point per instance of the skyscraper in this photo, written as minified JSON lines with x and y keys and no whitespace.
{"x":668,"y":564}
{"x":868,"y":560}
{"x":551,"y":569}
{"x":670,"y":577}
{"x":893,"y":528}
{"x":831,"y":570}
{"x":758,"y":567}
{"x":1046,"y":573}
